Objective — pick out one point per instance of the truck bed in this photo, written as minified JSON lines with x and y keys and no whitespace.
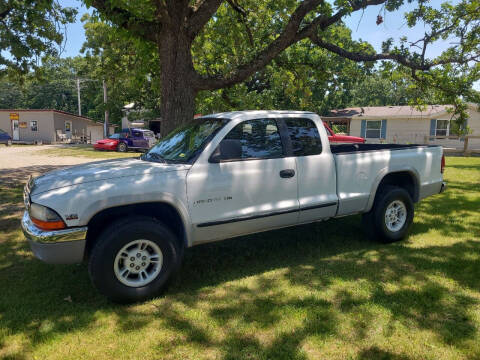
{"x":361,"y":166}
{"x":355,"y":148}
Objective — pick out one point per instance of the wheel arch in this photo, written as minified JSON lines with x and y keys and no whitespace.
{"x":163,"y":211}
{"x":406,"y":178}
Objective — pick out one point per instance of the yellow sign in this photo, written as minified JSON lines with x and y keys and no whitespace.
{"x":22,"y":124}
{"x":14,"y":116}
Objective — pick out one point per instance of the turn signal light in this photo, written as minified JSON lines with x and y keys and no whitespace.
{"x":49,"y":225}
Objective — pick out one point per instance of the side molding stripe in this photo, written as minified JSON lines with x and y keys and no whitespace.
{"x":253,"y":217}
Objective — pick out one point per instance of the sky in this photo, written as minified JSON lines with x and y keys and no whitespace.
{"x":363,"y":26}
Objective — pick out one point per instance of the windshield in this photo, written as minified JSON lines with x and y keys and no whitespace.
{"x":183,"y":143}
{"x":115,"y":136}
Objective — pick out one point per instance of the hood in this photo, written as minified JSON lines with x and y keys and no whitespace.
{"x":105,"y":141}
{"x":100,"y":170}
{"x":359,"y":139}
{"x":348,"y":138}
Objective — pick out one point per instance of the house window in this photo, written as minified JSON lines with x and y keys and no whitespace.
{"x":34,"y":125}
{"x":442,"y":128}
{"x":373,"y":129}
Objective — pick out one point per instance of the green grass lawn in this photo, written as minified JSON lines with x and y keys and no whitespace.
{"x":320,"y":291}
{"x":86,"y":151}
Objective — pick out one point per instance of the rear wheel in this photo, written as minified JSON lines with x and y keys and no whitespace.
{"x":391,"y":215}
{"x":133,"y":260}
{"x":122,"y":147}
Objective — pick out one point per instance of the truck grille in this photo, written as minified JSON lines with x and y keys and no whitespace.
{"x":27,"y":190}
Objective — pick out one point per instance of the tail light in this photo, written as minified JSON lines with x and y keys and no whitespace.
{"x":442,"y":165}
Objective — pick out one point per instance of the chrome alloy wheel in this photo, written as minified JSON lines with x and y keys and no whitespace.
{"x":138,"y":263}
{"x":395,"y":215}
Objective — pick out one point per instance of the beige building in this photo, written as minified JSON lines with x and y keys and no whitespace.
{"x":401,"y":124}
{"x":49,"y":126}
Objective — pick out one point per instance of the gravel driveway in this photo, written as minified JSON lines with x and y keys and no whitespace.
{"x":18,"y":162}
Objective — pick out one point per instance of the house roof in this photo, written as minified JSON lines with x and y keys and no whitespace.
{"x":54,"y":110}
{"x":391,"y":111}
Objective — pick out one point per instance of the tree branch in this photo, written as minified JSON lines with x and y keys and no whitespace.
{"x":291,"y":34}
{"x":323,"y":22}
{"x":5,"y":13}
{"x":360,"y":57}
{"x":200,"y":14}
{"x":283,"y":41}
{"x":401,"y":59}
{"x":125,"y":19}
{"x":242,"y":15}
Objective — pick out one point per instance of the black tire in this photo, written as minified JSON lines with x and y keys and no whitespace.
{"x":122,"y":147}
{"x":374,"y":222}
{"x":8,"y":143}
{"x":113,"y":239}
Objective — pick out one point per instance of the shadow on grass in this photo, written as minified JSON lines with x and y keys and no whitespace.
{"x":312,"y":257}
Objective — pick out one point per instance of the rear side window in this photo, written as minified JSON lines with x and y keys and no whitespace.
{"x":258,"y":139}
{"x":304,"y":137}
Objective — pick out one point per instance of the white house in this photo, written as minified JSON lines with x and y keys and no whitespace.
{"x":401,"y":124}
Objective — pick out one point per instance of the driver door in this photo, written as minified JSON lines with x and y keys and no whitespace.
{"x":251,"y":188}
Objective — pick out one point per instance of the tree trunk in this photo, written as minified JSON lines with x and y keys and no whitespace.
{"x":177,"y":76}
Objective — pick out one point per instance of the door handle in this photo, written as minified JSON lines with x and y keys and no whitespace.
{"x":287,"y":173}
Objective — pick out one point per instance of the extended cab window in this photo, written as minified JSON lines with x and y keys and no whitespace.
{"x":304,"y":137}
{"x":256,"y":139}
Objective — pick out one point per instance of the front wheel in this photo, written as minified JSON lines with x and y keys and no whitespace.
{"x":122,"y":147}
{"x":133,"y":260}
{"x":391,"y":215}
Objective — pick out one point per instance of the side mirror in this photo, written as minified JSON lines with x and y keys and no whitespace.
{"x":215,"y":157}
{"x":228,"y":149}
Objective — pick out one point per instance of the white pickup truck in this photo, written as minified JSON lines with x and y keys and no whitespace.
{"x":222,"y":176}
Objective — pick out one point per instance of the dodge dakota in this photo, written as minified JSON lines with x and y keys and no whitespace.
{"x":221,"y":176}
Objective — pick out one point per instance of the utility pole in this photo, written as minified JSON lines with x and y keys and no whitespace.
{"x":78,"y":97}
{"x":105,"y":125}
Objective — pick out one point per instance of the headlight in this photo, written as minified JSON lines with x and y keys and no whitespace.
{"x":45,"y":218}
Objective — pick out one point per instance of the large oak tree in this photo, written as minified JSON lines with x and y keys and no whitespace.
{"x":264,"y":29}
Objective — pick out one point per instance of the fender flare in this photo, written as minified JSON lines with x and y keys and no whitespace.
{"x":124,"y":200}
{"x":392,"y":170}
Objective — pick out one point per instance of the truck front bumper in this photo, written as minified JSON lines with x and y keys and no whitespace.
{"x":65,"y":246}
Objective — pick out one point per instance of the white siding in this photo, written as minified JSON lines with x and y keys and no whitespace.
{"x":474,"y":125}
{"x":404,"y":131}
{"x":96,"y":132}
{"x":398,"y":130}
{"x":355,"y":127}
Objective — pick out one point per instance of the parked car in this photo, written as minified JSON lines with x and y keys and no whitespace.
{"x":127,"y":139}
{"x":222,"y":176}
{"x":5,"y":138}
{"x":337,"y":138}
